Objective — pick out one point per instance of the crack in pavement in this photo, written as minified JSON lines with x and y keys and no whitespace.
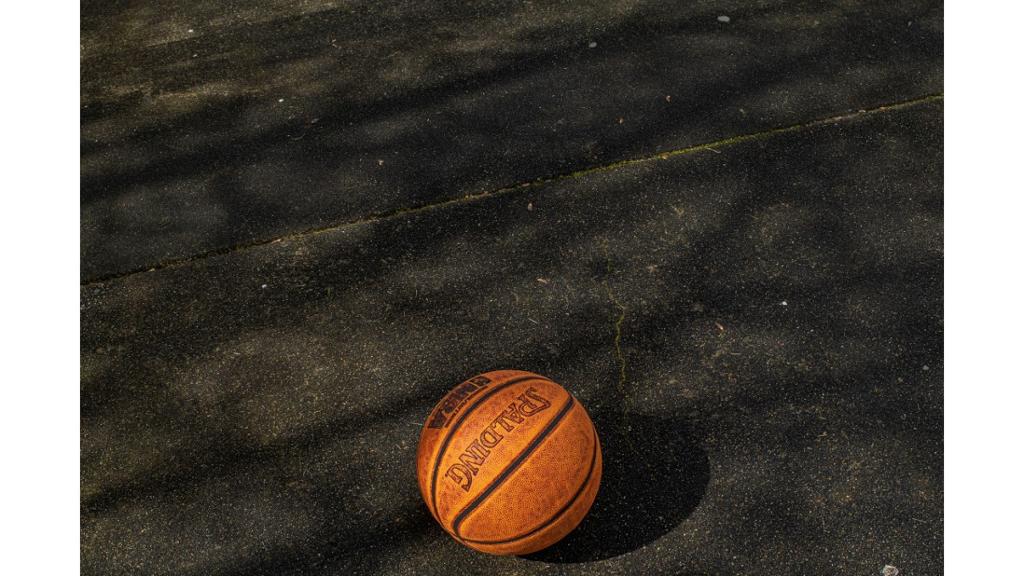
{"x":618,"y":324}
{"x":714,"y":146}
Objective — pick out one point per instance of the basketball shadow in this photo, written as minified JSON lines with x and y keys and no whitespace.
{"x":655,"y":475}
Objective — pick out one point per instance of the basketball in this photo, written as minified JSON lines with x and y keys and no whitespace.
{"x":508,"y":462}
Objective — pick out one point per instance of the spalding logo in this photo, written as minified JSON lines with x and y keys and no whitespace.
{"x":527,"y":404}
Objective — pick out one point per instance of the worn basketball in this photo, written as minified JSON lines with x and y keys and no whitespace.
{"x":508,"y":462}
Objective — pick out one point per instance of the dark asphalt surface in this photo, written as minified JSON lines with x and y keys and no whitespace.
{"x":210,"y":125}
{"x":756,"y":326}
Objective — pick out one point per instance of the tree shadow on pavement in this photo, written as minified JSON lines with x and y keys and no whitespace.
{"x":655,"y":474}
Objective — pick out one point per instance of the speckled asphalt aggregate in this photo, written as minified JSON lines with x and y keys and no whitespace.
{"x":303,"y":223}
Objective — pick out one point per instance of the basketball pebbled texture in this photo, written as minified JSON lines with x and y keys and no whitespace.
{"x":508,"y":462}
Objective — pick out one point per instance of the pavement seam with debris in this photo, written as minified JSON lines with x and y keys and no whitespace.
{"x":381,"y":216}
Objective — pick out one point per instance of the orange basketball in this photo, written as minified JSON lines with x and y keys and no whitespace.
{"x":508,"y":462}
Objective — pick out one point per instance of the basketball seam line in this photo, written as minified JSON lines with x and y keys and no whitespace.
{"x":556,"y":515}
{"x":512,"y":466}
{"x":455,"y":426}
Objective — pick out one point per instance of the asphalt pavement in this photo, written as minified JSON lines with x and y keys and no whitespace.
{"x":720,"y":225}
